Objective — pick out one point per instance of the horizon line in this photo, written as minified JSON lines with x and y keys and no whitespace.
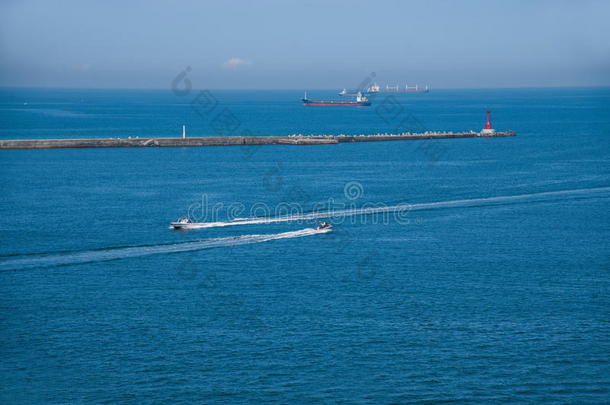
{"x":432,"y":89}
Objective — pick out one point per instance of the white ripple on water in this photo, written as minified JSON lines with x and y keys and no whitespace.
{"x":137,"y":251}
{"x":91,"y":256}
{"x":531,"y":197}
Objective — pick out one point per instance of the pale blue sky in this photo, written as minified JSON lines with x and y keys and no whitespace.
{"x":304,"y":44}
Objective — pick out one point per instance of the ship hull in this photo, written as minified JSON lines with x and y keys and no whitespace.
{"x":335,"y":103}
{"x":404,"y":91}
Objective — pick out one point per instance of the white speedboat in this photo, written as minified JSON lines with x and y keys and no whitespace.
{"x":184,"y":223}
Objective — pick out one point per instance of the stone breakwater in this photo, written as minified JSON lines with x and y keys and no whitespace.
{"x":298,"y":139}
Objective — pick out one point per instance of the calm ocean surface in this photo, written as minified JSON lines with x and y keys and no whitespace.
{"x":476,"y":300}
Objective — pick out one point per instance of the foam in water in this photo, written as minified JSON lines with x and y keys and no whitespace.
{"x":401,"y":208}
{"x":136,"y":251}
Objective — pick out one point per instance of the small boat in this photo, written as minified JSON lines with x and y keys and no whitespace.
{"x":346,"y":93}
{"x":324,"y":226}
{"x":374,"y":88}
{"x":183,"y":223}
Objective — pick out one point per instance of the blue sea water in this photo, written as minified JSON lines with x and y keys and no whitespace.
{"x":479,"y":299}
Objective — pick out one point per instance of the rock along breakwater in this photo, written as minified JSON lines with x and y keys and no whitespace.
{"x":233,"y":140}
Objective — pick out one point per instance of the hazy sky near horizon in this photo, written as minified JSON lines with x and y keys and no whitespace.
{"x":304,"y":44}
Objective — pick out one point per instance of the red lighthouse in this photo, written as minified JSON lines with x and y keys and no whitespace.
{"x":488,"y":129}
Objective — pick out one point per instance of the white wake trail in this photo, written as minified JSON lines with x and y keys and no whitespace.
{"x":137,"y":251}
{"x":401,"y":208}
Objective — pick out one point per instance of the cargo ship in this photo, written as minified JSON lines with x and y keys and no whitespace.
{"x":397,"y":89}
{"x":359,"y":101}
